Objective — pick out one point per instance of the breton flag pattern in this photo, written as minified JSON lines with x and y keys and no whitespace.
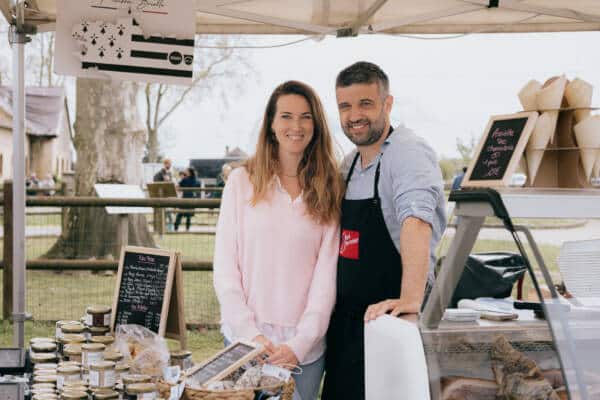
{"x":122,"y":50}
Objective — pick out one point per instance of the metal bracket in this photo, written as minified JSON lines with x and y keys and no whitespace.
{"x":346,"y":32}
{"x":18,"y":317}
{"x":20,"y":36}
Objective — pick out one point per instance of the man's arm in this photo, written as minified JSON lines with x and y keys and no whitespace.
{"x":415,"y":239}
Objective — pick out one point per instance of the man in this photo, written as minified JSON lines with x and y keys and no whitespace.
{"x":393,"y":215}
{"x":457,"y":182}
{"x":165,"y":174}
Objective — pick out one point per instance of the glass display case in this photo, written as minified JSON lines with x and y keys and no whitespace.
{"x":553,"y":357}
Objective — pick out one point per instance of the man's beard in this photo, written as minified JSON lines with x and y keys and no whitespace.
{"x":373,"y":134}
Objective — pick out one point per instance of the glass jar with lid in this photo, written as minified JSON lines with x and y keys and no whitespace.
{"x":98,"y":316}
{"x":141,"y":391}
{"x":102,"y":375}
{"x":182,"y":358}
{"x":91,"y":353}
{"x":67,"y":373}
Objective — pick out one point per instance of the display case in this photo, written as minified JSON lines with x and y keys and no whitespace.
{"x":556,"y":357}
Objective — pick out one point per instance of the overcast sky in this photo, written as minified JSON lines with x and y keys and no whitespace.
{"x":443,"y":89}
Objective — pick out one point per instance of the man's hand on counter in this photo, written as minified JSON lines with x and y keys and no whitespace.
{"x":394,"y":307}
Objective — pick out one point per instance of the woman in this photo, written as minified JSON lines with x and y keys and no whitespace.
{"x":277,"y":238}
{"x":188,"y":180}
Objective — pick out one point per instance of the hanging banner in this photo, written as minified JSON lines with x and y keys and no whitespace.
{"x":139,"y":40}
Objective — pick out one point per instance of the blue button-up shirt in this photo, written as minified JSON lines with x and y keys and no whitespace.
{"x":410,"y":185}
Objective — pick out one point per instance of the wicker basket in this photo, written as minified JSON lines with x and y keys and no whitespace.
{"x":287,"y":392}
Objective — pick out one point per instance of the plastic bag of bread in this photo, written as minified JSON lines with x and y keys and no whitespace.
{"x":145,"y":351}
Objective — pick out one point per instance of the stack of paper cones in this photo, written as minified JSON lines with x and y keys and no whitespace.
{"x":543,"y":130}
{"x":587,"y":133}
{"x":550,"y":97}
{"x":528,"y":95}
{"x":579,"y":94}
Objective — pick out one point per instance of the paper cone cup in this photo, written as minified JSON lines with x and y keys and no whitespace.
{"x":597,"y":167}
{"x":543,"y":131}
{"x":550,"y":97}
{"x":587,"y":133}
{"x":534,"y":160}
{"x":528,"y":95}
{"x":579,"y":94}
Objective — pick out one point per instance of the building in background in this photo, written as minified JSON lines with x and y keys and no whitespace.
{"x":49,"y":144}
{"x":208,"y":170}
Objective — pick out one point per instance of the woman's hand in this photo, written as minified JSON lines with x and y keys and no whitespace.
{"x":268,"y":346}
{"x":283,"y":356}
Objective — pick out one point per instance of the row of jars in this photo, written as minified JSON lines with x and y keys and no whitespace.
{"x":67,"y":381}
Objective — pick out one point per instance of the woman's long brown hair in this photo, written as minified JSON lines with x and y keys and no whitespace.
{"x":318,"y":172}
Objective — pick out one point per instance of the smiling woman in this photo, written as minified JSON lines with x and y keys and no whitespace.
{"x":277,"y":238}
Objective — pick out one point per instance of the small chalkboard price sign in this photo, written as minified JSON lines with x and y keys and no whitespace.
{"x":223,"y":363}
{"x":149,"y":292}
{"x":500,"y":149}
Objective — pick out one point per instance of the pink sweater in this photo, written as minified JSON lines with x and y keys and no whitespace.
{"x":273,"y":265}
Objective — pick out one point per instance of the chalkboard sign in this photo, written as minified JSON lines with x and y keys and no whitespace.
{"x":500,"y":150}
{"x":223,"y":363}
{"x":145,"y":293}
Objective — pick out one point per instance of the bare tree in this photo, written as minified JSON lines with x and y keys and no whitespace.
{"x":211,"y":65}
{"x":40,"y":60}
{"x":109,"y":139}
{"x":465,"y":148}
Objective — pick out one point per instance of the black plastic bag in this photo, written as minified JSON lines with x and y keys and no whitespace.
{"x":489,"y":275}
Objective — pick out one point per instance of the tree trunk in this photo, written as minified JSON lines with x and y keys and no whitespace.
{"x":109,"y":141}
{"x":153,"y":146}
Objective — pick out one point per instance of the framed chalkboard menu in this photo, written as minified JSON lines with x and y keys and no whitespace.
{"x":223,"y":363}
{"x":149,"y":291}
{"x":500,"y":149}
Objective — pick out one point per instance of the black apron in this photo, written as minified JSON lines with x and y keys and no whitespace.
{"x":369,"y":271}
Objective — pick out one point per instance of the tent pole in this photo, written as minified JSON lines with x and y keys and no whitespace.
{"x":18,"y":38}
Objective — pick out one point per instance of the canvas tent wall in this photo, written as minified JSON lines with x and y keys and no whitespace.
{"x":344,"y":17}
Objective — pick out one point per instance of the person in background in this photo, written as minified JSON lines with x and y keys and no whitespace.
{"x":32,"y":183}
{"x":277,"y":238}
{"x":47,"y":183}
{"x":457,"y":182}
{"x":393,"y":215}
{"x":165,"y":174}
{"x":189,"y":180}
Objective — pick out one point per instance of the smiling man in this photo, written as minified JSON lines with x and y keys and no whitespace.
{"x":393,"y":215}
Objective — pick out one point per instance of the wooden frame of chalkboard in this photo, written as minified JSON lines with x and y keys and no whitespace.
{"x":224,"y":363}
{"x":156,"y":302}
{"x":500,"y":149}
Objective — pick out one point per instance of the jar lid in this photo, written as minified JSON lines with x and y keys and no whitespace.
{"x":102,"y":365}
{"x":74,"y":395}
{"x":72,"y":349}
{"x":122,"y":367}
{"x":43,"y":357}
{"x":106,"y":339}
{"x":135,"y":378}
{"x":43,"y":347}
{"x":78,"y":384}
{"x":136,"y":388}
{"x":99,"y":330}
{"x":45,"y":396}
{"x":43,"y":390}
{"x":98,"y":309}
{"x":181,"y":354}
{"x":75,"y":327}
{"x":45,"y":366}
{"x":69,"y":364}
{"x":68,"y":370}
{"x":93,"y":347}
{"x":44,"y":378}
{"x":72,"y":338}
{"x":112,"y":356}
{"x":41,"y":339}
{"x":45,"y":371}
{"x":106,"y":395}
{"x":43,"y":386}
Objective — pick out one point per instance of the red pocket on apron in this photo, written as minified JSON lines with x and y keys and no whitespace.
{"x":349,"y":244}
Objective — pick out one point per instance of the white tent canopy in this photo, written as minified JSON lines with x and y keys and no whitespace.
{"x":346,"y":17}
